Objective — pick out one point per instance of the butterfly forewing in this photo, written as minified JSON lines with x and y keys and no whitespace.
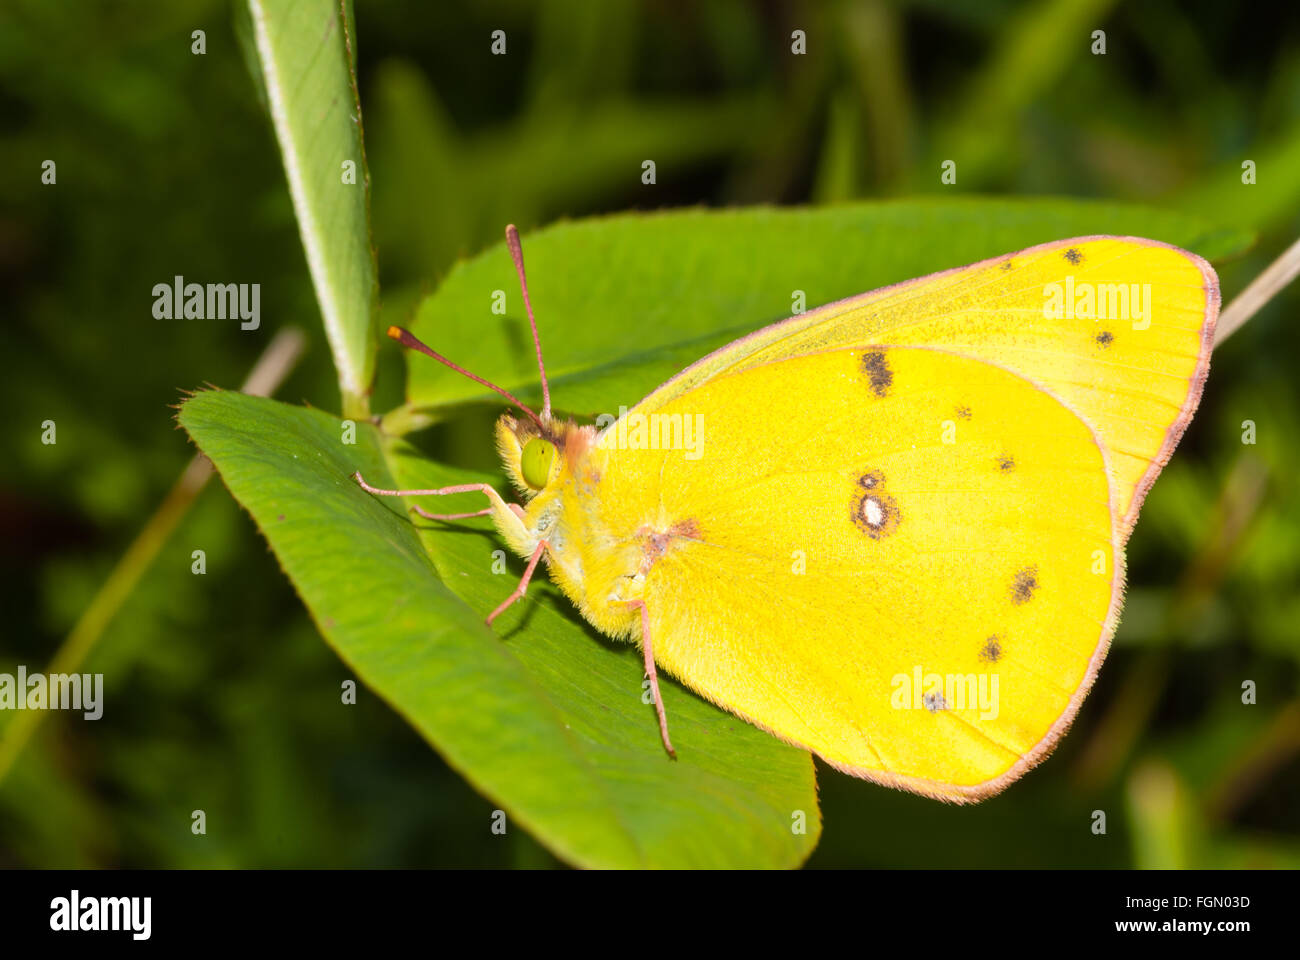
{"x":1120,"y":328}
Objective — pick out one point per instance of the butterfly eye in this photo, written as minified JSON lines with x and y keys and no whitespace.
{"x":535,"y":464}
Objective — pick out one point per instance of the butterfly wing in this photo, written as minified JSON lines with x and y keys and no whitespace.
{"x":860,"y":521}
{"x":1129,"y":353}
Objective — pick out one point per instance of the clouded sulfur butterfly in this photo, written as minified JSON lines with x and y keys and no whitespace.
{"x":890,"y":530}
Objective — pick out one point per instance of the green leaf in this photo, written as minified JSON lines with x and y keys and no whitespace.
{"x":306,"y":51}
{"x":611,"y":294}
{"x":545,"y":718}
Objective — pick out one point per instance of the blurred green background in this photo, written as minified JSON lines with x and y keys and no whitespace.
{"x":220,"y":694}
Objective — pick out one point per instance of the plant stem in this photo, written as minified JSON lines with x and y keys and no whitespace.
{"x":1258,"y":292}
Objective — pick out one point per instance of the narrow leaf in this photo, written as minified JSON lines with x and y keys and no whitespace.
{"x":306,"y":54}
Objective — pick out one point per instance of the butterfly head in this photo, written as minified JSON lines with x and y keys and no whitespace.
{"x":537,"y":456}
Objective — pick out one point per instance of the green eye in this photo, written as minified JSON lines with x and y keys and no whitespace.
{"x":535,"y":464}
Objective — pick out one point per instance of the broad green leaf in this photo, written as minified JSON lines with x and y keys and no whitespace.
{"x":610,"y":294}
{"x":307,"y":55}
{"x":544,"y":715}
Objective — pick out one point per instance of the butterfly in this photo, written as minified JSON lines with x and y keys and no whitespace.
{"x":889,"y":530}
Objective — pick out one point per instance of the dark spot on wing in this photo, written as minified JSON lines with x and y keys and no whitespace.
{"x":963,"y":413}
{"x":878,"y":372}
{"x":934,"y":702}
{"x":1006,"y":464}
{"x":1074,"y":256}
{"x":871,"y":479}
{"x":991,"y":652}
{"x":1104,"y":338}
{"x":1006,"y":264}
{"x":1023,"y":587}
{"x":872,"y":510}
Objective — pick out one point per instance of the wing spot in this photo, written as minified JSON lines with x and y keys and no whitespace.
{"x":1074,"y":256}
{"x":1006,"y":464}
{"x":934,"y":702}
{"x":1006,"y":265}
{"x":873,"y":512}
{"x":963,"y":412}
{"x":1104,"y":338}
{"x":878,"y":373}
{"x":991,"y":652}
{"x":1024,"y":585}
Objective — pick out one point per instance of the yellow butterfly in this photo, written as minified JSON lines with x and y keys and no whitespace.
{"x":890,"y":530}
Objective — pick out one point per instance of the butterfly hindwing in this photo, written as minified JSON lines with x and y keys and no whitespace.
{"x":852,"y":524}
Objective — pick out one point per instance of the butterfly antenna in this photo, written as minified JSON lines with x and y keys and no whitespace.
{"x":517,"y":255}
{"x":408,"y":339}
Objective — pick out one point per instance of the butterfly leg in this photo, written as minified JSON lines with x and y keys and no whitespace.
{"x":523,"y":583}
{"x":647,"y":650}
{"x":450,"y":516}
{"x":459,"y":488}
{"x":509,"y":518}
